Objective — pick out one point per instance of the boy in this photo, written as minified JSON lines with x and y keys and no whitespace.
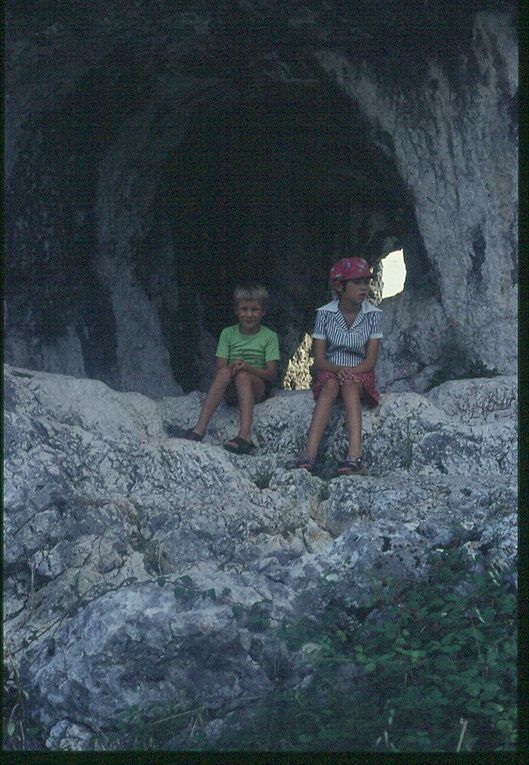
{"x":247,"y":355}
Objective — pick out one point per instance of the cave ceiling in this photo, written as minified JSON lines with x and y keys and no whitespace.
{"x":157,"y":153}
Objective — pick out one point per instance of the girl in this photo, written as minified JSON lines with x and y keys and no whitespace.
{"x":346,"y":342}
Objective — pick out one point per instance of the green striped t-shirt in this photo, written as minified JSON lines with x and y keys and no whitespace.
{"x":254,"y":349}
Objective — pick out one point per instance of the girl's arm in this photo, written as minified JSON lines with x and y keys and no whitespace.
{"x":323,"y":365}
{"x":320,"y":361}
{"x":368,"y":364}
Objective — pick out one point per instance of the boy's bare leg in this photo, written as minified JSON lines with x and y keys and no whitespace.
{"x":215,"y":394}
{"x":250,"y":389}
{"x":353,"y":416}
{"x":320,"y":416}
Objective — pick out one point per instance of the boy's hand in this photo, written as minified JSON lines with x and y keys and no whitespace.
{"x":238,"y":366}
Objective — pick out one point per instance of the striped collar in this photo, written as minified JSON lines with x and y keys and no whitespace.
{"x":367,"y":307}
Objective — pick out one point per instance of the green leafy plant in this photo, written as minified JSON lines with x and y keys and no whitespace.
{"x":457,"y":364}
{"x":19,"y":732}
{"x":135,"y":728}
{"x":407,"y":452}
{"x":264,"y":476}
{"x":434,"y":671}
{"x":427,"y":666}
{"x":327,"y":465}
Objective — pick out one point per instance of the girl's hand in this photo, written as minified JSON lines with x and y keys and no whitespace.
{"x":238,"y":366}
{"x":343,"y":374}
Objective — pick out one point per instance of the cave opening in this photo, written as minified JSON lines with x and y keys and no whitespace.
{"x":272,"y":188}
{"x":393,"y":273}
{"x":155,"y":158}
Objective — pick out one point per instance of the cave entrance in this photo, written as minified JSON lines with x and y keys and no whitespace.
{"x":271,"y":188}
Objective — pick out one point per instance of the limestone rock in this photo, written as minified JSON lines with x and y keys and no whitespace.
{"x":143,"y":569}
{"x":151,"y":164}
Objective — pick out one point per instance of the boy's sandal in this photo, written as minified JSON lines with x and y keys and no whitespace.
{"x":190,"y":435}
{"x":305,"y":463}
{"x":350,"y":466}
{"x":239,"y":445}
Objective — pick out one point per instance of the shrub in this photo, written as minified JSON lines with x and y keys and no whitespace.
{"x":457,"y":364}
{"x":432,"y":670}
{"x":428,"y":667}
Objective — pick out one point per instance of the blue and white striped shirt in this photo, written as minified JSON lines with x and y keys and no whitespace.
{"x":346,"y":346}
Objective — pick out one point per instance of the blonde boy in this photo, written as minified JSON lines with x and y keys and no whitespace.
{"x":246,"y":364}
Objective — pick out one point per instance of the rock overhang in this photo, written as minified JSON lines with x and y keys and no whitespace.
{"x":98,"y":282}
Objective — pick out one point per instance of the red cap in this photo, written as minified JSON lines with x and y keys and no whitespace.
{"x":350,"y":268}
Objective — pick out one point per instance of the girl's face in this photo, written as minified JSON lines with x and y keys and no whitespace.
{"x":355,"y":290}
{"x":249,"y":314}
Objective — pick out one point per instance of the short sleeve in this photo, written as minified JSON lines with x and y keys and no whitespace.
{"x":272,"y":348}
{"x":376,"y":325}
{"x":223,"y":346}
{"x":319,"y":326}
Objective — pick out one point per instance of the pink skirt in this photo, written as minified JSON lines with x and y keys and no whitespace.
{"x":366,"y":379}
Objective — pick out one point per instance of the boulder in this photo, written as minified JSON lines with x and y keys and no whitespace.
{"x":144,"y":570}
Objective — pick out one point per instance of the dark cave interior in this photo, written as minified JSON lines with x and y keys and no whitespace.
{"x":247,"y":159}
{"x":273,"y":189}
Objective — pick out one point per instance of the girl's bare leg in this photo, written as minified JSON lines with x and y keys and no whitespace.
{"x":320,"y":416}
{"x":353,"y":416}
{"x":250,"y":389}
{"x":215,"y":394}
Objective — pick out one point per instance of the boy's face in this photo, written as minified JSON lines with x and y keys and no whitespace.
{"x":249,"y":313}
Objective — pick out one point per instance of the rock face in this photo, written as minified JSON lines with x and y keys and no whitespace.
{"x":140,"y":568}
{"x":155,"y":157}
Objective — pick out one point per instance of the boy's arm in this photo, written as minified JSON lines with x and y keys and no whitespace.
{"x":222,"y":363}
{"x":267,"y":374}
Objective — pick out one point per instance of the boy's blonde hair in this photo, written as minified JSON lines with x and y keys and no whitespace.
{"x":250,"y":292}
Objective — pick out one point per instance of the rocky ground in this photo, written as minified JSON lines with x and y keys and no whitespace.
{"x":140,"y":568}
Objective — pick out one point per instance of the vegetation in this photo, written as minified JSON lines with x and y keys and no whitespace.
{"x":430,"y":668}
{"x":435,"y":671}
{"x":458,"y":365}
